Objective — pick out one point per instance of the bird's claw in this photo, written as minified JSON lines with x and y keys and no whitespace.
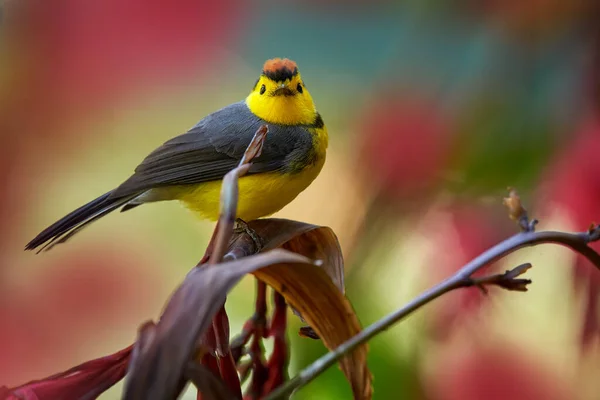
{"x":242,"y":226}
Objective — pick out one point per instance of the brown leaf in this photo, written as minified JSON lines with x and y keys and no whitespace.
{"x":312,"y":241}
{"x":168,"y":346}
{"x":309,"y":289}
{"x":85,"y":381}
{"x":315,"y":292}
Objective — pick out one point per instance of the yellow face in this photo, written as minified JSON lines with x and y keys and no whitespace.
{"x":285,"y":102}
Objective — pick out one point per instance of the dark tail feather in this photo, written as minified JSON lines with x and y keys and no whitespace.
{"x":69,"y":225}
{"x":129,"y":206}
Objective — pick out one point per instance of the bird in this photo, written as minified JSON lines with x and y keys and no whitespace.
{"x":190,"y":167}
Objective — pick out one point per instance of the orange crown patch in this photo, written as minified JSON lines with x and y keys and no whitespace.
{"x":279,"y":69}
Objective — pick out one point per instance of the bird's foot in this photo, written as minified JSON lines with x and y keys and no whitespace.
{"x":242,"y":226}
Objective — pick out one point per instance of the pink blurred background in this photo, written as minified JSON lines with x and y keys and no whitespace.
{"x":433,"y":110}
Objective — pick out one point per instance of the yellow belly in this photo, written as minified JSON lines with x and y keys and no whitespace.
{"x":260,"y":195}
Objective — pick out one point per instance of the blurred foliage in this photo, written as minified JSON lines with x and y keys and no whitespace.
{"x":497,"y":147}
{"x":433,"y":109}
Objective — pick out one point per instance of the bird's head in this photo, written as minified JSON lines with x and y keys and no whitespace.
{"x":279,"y":95}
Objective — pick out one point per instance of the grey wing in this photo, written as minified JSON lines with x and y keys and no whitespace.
{"x":212,"y":148}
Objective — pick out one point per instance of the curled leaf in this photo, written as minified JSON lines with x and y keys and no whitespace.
{"x":312,"y":241}
{"x":310,"y":290}
{"x":85,"y":381}
{"x":316,"y":293}
{"x":161,"y":361}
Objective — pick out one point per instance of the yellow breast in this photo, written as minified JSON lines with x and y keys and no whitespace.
{"x":260,"y":195}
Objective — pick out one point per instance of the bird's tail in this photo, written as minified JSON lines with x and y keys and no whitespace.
{"x":63,"y":229}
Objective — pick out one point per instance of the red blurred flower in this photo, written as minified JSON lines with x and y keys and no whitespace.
{"x":73,"y":56}
{"x":587,"y":279}
{"x":7,"y":182}
{"x":49,"y":321}
{"x":348,"y":5}
{"x":65,"y":58}
{"x":473,"y":231}
{"x":90,"y":50}
{"x":494,"y":373}
{"x":573,"y":183}
{"x":87,"y":380}
{"x":537,"y":16}
{"x":406,"y":143}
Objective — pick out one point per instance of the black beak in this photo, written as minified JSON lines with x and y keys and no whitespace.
{"x":283,"y":90}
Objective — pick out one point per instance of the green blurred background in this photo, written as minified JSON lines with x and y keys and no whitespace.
{"x":433,"y":109}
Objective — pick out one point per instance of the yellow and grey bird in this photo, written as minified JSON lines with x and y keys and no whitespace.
{"x":191,"y":166}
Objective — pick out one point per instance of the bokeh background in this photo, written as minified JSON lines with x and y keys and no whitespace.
{"x":433,"y":108}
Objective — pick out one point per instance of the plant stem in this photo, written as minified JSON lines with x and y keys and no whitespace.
{"x":462,"y":278}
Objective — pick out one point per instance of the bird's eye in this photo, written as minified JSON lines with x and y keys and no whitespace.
{"x":262,"y":89}
{"x":299,"y":88}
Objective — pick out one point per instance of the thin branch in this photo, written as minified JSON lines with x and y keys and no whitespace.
{"x":159,"y":363}
{"x":219,"y":241}
{"x":229,"y":195}
{"x":256,"y":350}
{"x":253,"y":326}
{"x":277,"y":365}
{"x":575,"y":241}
